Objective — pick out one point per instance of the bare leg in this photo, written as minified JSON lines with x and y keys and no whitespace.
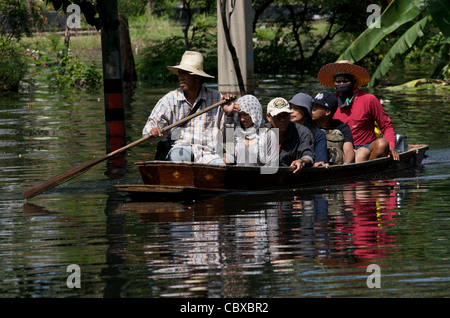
{"x":362,"y":154}
{"x":379,"y":149}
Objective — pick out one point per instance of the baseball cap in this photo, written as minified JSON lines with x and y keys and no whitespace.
{"x":326,"y":100}
{"x":277,"y":106}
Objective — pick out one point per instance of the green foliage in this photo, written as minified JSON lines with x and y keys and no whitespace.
{"x":396,"y":14}
{"x":204,"y":33}
{"x":428,"y":47}
{"x":18,"y":18}
{"x":204,"y":23}
{"x":92,"y":11}
{"x":401,"y":13}
{"x":445,"y":73}
{"x":56,"y":44}
{"x":54,"y":64}
{"x":91,"y":77}
{"x":131,"y":8}
{"x":71,"y":72}
{"x":13,"y":66}
{"x":208,"y":5}
{"x":404,"y":43}
{"x":265,"y":34}
{"x":163,"y":4}
{"x":440,"y":11}
{"x":305,"y":35}
{"x":152,"y":63}
{"x":273,"y":57}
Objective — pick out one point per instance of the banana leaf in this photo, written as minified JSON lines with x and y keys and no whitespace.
{"x":400,"y":46}
{"x":438,"y":87}
{"x":440,"y":11}
{"x":396,"y":14}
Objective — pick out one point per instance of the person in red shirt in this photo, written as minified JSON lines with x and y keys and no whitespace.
{"x":360,"y":110}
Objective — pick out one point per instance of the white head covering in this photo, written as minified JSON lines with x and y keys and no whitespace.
{"x":250,"y":105}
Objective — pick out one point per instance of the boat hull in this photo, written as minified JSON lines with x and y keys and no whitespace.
{"x":170,"y":177}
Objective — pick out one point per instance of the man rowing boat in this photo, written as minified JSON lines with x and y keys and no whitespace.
{"x":360,"y":110}
{"x":198,"y":140}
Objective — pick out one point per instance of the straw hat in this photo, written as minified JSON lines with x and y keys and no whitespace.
{"x":328,"y":72}
{"x":191,"y":62}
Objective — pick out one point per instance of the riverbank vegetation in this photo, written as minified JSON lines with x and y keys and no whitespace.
{"x":290,"y":39}
{"x":404,"y":23}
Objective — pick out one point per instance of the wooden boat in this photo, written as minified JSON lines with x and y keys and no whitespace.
{"x":164,"y":177}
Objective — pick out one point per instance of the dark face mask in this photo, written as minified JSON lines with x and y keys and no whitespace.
{"x":345,"y":91}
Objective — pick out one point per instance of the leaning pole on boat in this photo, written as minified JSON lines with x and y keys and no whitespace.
{"x":240,"y":29}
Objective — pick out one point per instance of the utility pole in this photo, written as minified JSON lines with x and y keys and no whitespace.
{"x":239,"y":24}
{"x":112,"y":79}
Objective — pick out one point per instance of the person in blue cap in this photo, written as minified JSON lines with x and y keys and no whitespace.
{"x":339,"y":135}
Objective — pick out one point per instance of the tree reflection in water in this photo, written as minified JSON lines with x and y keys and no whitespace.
{"x":340,"y":226}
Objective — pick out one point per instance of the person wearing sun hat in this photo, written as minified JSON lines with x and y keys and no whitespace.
{"x":296,"y":141}
{"x":191,"y":62}
{"x":197,"y":139}
{"x":359,"y":110}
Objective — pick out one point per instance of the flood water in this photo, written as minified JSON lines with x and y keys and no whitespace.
{"x":316,"y":241}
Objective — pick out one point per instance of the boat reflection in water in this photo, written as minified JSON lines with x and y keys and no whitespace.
{"x":340,"y":226}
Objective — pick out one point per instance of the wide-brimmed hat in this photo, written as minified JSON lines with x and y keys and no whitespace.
{"x":191,"y":62}
{"x":277,"y":106}
{"x":328,"y":72}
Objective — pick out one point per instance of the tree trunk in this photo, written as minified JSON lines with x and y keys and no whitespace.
{"x":187,"y":9}
{"x":149,"y":6}
{"x":126,"y":53}
{"x":67,"y":38}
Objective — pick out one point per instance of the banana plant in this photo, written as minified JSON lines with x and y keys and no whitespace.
{"x":404,"y":43}
{"x":398,"y":13}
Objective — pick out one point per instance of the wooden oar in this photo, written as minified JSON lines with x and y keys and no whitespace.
{"x":72,"y":173}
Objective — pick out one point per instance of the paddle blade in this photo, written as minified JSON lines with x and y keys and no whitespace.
{"x":57,"y":180}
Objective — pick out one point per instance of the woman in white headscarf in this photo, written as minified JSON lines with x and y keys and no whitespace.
{"x":254,"y":145}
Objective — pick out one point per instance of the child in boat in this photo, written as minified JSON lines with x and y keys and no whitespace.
{"x":301,"y":105}
{"x":254,"y":145}
{"x":296,"y":142}
{"x":339,"y":135}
